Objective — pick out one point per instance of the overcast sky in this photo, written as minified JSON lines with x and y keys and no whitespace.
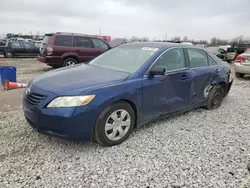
{"x":197,"y":19}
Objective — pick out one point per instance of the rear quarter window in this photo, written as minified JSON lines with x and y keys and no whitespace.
{"x":64,"y":40}
{"x":211,"y":61}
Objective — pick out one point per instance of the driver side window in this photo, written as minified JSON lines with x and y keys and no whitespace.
{"x":172,"y":59}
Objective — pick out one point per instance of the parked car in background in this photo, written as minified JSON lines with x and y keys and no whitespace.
{"x":118,"y":41}
{"x":15,"y":39}
{"x":124,"y":87}
{"x":219,"y":52}
{"x":65,"y":49}
{"x":224,"y":47}
{"x":19,"y":48}
{"x":242,"y":64}
{"x":2,"y":42}
{"x":236,"y":50}
{"x":38,"y":44}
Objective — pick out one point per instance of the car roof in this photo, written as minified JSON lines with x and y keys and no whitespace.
{"x":153,"y":44}
{"x":161,"y":45}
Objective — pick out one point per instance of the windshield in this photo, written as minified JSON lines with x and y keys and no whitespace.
{"x":124,"y":58}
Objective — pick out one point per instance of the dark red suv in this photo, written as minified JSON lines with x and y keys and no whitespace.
{"x":65,"y":49}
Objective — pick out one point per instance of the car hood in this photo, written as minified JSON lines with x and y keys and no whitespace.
{"x":74,"y":80}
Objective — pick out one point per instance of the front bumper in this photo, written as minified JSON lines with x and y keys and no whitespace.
{"x":71,"y":123}
{"x":241,"y":68}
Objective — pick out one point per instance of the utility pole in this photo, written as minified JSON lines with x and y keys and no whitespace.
{"x":100,"y":32}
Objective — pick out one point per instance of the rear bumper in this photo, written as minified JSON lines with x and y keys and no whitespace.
{"x":50,"y":60}
{"x":239,"y":68}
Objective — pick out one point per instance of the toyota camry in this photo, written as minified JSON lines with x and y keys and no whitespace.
{"x":106,"y":99}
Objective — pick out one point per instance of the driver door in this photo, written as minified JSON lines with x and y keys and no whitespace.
{"x":168,"y":93}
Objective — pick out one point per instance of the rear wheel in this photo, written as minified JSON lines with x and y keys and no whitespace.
{"x":8,"y":54}
{"x":114,"y":124}
{"x":239,"y":75}
{"x":69,"y":62}
{"x":215,"y":97}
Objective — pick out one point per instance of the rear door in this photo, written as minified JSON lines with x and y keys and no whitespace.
{"x":205,"y":70}
{"x":17,"y":48}
{"x":30,"y":49}
{"x":84,"y":48}
{"x":100,"y":46}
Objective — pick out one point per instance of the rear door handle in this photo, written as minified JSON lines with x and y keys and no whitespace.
{"x":217,"y":70}
{"x":184,"y":77}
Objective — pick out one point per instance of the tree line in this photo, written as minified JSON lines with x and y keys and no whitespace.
{"x":213,"y":42}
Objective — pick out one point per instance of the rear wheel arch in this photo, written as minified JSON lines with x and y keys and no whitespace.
{"x":70,"y":56}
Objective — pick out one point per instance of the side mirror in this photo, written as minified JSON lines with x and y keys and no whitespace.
{"x":157,"y":70}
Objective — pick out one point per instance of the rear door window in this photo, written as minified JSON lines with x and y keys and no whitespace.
{"x":197,"y":58}
{"x":16,"y":45}
{"x":83,"y":42}
{"x":28,"y":46}
{"x":64,"y":40}
{"x":100,"y":44}
{"x":211,"y":61}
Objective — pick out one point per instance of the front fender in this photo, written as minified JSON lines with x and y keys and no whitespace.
{"x":127,"y":90}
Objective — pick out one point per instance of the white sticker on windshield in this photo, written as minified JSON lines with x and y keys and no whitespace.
{"x":150,"y":49}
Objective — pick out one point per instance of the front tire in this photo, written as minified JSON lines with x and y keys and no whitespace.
{"x":114,"y":124}
{"x":8,"y":54}
{"x":239,"y":75}
{"x":215,"y":97}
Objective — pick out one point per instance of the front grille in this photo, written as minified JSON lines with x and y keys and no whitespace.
{"x":34,"y":99}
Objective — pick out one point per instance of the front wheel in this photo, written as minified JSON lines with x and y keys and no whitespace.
{"x":114,"y":124}
{"x":215,"y":97}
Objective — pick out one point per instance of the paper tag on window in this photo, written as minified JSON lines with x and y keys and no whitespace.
{"x":149,"y":49}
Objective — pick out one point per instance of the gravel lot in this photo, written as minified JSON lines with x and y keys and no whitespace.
{"x":198,"y":149}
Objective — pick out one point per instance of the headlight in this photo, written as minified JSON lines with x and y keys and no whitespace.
{"x":70,"y":101}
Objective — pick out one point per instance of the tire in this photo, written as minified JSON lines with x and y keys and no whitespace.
{"x":8,"y":54}
{"x":239,"y":75}
{"x":111,"y":136}
{"x":214,"y":98}
{"x":69,"y":62}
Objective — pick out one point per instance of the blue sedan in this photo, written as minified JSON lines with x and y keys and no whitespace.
{"x":123,"y":88}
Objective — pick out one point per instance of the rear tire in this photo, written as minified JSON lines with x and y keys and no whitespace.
{"x":8,"y":54}
{"x":69,"y":62}
{"x":114,"y":124}
{"x":239,"y":75}
{"x":214,"y":98}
